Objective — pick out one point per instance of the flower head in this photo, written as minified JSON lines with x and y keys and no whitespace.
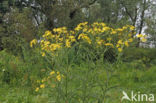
{"x":53,"y":72}
{"x":42,"y":86}
{"x":37,"y":89}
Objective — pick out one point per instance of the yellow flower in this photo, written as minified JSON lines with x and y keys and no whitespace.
{"x":120,"y":42}
{"x":72,"y":32}
{"x":129,"y":35}
{"x":130,"y":40}
{"x":68,"y":44}
{"x":143,"y":39}
{"x":43,"y":80}
{"x":46,"y":43}
{"x":58,"y":73}
{"x":43,"y":54}
{"x":117,"y":45}
{"x":139,"y":35}
{"x":99,"y":42}
{"x":132,"y":27}
{"x":33,"y":42}
{"x":109,"y":39}
{"x":124,"y":27}
{"x":47,"y":34}
{"x":61,"y":39}
{"x":113,"y":32}
{"x":85,"y":30}
{"x":120,"y":49}
{"x":84,"y":37}
{"x":60,"y":30}
{"x":37,"y":89}
{"x":72,"y":38}
{"x":87,"y":39}
{"x":53,"y":72}
{"x":54,"y":47}
{"x":42,"y":86}
{"x":78,"y":28}
{"x":103,"y":24}
{"x":109,"y":44}
{"x":126,"y":43}
{"x":58,"y":77}
{"x":81,"y":35}
{"x":119,"y":29}
{"x":105,"y":29}
{"x":64,"y":28}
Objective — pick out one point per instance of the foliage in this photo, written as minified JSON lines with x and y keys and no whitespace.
{"x":139,"y":53}
{"x":18,"y":31}
{"x":17,"y":70}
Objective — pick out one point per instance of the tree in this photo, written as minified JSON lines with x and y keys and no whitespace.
{"x":19,"y":29}
{"x":55,"y":13}
{"x":151,"y":24}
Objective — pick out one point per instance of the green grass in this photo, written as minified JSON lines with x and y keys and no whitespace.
{"x":85,"y":81}
{"x":122,"y":78}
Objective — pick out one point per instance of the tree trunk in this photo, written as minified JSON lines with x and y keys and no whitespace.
{"x":141,"y":21}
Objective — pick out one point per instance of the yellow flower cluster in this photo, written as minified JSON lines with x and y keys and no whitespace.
{"x":62,"y":30}
{"x":109,"y":44}
{"x":48,"y":46}
{"x":85,"y":38}
{"x":142,"y":37}
{"x":81,"y":26}
{"x":98,"y":34}
{"x":99,"y":42}
{"x":33,"y":42}
{"x":120,"y":44}
{"x":53,"y":75}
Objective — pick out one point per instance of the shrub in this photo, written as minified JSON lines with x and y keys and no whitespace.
{"x":80,"y":55}
{"x":16,"y":70}
{"x":146,"y":55}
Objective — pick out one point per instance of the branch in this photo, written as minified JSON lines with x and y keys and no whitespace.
{"x":91,"y":3}
{"x":73,"y":12}
{"x":127,"y":11}
{"x":135,"y":18}
{"x":142,"y":17}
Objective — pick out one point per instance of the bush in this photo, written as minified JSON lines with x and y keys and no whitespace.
{"x":78,"y":58}
{"x":146,"y":55}
{"x":16,"y":70}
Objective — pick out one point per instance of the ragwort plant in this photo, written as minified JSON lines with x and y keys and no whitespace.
{"x":82,"y":48}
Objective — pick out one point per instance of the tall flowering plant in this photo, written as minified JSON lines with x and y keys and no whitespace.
{"x":96,"y":37}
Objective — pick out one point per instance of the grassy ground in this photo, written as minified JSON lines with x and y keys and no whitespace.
{"x":124,"y":77}
{"x":90,"y":81}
